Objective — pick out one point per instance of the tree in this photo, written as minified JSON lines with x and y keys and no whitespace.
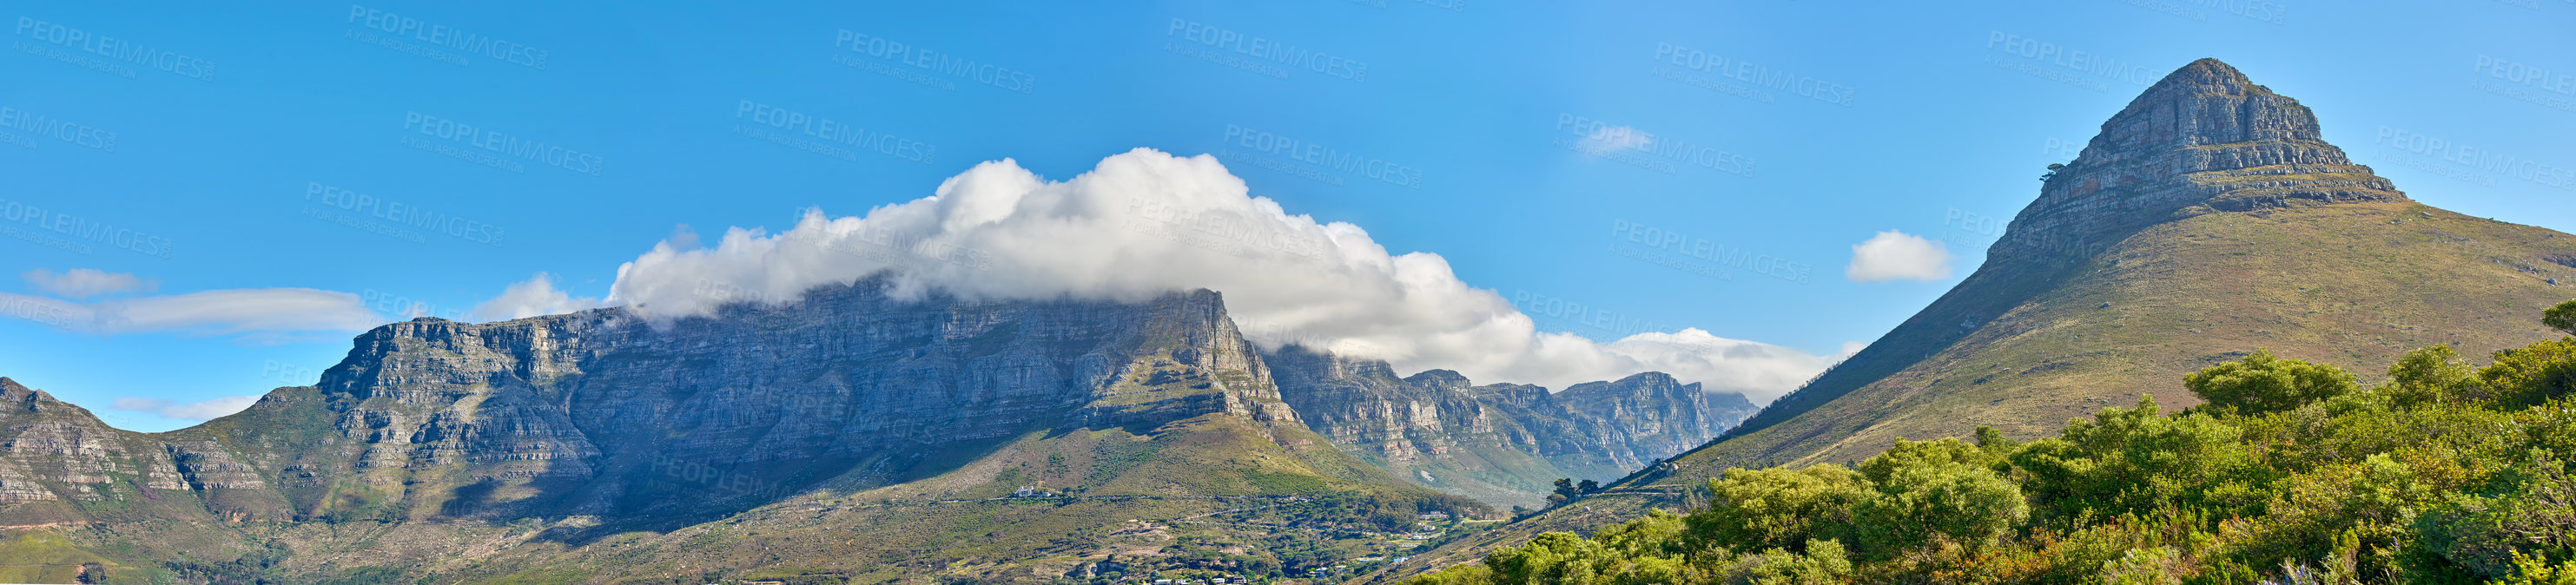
{"x":1936,"y":493}
{"x":2135,"y":460}
{"x":1588,"y":486}
{"x":2561,"y":317}
{"x":2428,"y":375}
{"x":1565,"y":490}
{"x":2263,"y":383}
{"x":2533,"y":374}
{"x":1755,"y":509}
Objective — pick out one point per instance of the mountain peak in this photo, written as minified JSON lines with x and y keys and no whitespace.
{"x":2206,"y":73}
{"x":2204,"y":139}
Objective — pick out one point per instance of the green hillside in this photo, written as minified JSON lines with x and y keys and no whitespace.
{"x":2290,"y":472}
{"x":2207,"y":221}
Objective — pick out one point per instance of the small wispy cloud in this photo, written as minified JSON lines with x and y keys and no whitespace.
{"x":82,"y":283}
{"x":264,"y":315}
{"x":1609,"y":138}
{"x":193,"y":411}
{"x":1895,"y":255}
{"x":537,"y":296}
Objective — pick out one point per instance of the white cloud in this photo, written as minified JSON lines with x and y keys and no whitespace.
{"x":262,"y":313}
{"x":1144,"y":223}
{"x":537,"y":296}
{"x":197,"y":411}
{"x":82,"y":283}
{"x":1895,"y":255}
{"x":1608,"y":138}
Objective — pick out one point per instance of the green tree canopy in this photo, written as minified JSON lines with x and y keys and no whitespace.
{"x":2561,"y":317}
{"x":1935,"y":494}
{"x":1780,"y":507}
{"x":2427,"y":375}
{"x":2264,"y":383}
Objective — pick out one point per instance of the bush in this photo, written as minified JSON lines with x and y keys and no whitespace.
{"x":2263,"y":383}
{"x":2532,"y":374}
{"x":1754,"y":509}
{"x":2561,"y":317}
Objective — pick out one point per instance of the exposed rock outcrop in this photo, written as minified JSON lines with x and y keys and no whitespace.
{"x":588,"y":413}
{"x":1502,"y":443}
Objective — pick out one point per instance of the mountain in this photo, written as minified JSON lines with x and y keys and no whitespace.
{"x":1499,"y":443}
{"x":2208,"y":218}
{"x":978,"y":440}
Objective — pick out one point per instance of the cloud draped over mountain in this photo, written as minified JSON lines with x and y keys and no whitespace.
{"x":1143,"y":223}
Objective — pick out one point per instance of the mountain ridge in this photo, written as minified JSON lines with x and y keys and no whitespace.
{"x":541,"y":440}
{"x":1500,"y":443}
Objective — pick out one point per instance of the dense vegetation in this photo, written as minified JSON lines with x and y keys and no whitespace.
{"x":2291,"y":472}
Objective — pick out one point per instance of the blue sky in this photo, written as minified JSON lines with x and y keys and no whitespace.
{"x":211,"y":142}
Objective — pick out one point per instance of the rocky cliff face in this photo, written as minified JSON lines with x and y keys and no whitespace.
{"x":602,"y":413}
{"x":2203,"y":139}
{"x":1502,"y":443}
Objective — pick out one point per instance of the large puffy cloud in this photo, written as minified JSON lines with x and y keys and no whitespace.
{"x":1145,"y":223}
{"x":1895,"y":255}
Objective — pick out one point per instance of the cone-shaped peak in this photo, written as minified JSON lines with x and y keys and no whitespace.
{"x":2203,"y":139}
{"x":2204,"y":73}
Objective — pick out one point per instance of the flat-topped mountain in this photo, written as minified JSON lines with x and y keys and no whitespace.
{"x":535,"y":439}
{"x":978,"y":440}
{"x":2208,"y":217}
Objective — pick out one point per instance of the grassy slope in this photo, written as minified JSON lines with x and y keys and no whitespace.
{"x":2350,"y":284}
